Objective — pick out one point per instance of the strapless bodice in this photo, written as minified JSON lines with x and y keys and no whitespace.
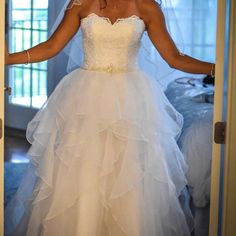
{"x":111,"y":47}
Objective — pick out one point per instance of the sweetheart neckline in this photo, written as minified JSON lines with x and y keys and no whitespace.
{"x":108,"y":19}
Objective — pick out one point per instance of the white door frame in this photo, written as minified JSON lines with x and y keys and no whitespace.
{"x":223,"y":177}
{"x":229,"y":188}
{"x":2,"y":33}
{"x":218,"y":99}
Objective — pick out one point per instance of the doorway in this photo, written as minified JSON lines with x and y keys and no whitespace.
{"x":217,"y":152}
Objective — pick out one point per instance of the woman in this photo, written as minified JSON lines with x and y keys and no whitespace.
{"x":104,"y":158}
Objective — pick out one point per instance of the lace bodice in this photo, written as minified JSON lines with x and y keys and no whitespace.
{"x":111,"y":46}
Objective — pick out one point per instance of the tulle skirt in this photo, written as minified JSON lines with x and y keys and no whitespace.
{"x":103,"y":161}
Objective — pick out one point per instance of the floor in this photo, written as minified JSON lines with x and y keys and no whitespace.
{"x":15,"y":149}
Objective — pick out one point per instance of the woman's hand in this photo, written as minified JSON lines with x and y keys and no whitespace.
{"x":7,"y":55}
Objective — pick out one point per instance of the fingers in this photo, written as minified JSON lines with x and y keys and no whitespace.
{"x":6,"y":54}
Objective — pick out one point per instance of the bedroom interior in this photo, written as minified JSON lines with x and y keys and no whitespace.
{"x":207,"y":28}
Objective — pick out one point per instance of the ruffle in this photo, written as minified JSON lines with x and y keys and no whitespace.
{"x":105,"y":160}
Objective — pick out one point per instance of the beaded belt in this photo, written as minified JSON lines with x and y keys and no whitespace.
{"x":109,"y":69}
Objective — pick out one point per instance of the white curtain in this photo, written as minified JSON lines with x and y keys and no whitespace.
{"x":197,"y":19}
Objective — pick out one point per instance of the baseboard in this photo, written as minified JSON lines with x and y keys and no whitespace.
{"x":13,"y":132}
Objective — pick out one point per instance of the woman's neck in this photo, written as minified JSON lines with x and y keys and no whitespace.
{"x":110,"y":3}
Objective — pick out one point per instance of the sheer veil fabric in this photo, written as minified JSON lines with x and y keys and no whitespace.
{"x":150,"y":61}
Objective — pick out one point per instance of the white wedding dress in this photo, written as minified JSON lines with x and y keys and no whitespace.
{"x":104,"y":159}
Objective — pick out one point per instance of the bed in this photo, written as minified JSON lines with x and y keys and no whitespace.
{"x":194,"y":100}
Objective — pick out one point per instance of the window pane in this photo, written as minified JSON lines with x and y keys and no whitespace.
{"x":21,"y":15}
{"x":20,"y":86}
{"x":18,"y":4}
{"x":41,"y":4}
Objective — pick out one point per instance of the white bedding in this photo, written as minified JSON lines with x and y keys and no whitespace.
{"x":196,"y":139}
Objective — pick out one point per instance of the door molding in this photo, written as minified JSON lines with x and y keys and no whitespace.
{"x":218,"y":117}
{"x":229,"y":190}
{"x":223,"y":178}
{"x":2,"y":32}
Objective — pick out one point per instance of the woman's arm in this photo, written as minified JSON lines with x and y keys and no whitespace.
{"x":43,"y":51}
{"x":157,"y":31}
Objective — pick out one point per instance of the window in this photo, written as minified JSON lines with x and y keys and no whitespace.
{"x":28,"y":27}
{"x":197,"y":22}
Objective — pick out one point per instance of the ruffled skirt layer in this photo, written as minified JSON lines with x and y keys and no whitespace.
{"x":103,"y":161}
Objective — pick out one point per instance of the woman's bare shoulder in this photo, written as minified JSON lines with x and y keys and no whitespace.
{"x":78,"y":5}
{"x":148,"y":9}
